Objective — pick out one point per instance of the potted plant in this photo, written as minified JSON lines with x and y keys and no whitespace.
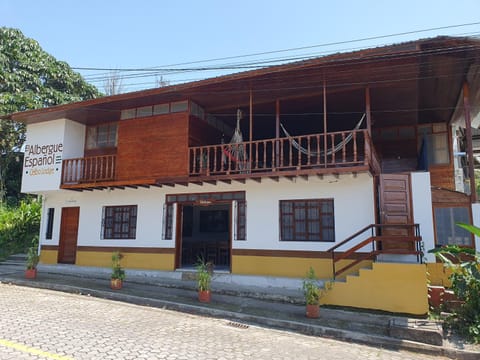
{"x":32,"y":262}
{"x":313,"y":293}
{"x":204,"y":278}
{"x":118,"y":273}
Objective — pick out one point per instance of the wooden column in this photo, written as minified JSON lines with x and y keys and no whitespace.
{"x":325,"y":121}
{"x":250,"y":136}
{"x":367,"y":110}
{"x":251,"y":117}
{"x":468,"y":134}
{"x":277,"y":132}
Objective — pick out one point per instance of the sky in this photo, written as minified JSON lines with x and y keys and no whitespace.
{"x":121,"y":34}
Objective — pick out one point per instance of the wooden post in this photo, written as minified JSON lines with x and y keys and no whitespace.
{"x":277,"y":132}
{"x":367,"y":110}
{"x":251,"y":117}
{"x":468,"y":134}
{"x":325,"y":148}
{"x":250,"y":137}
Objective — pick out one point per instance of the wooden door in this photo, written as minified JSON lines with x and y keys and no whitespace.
{"x":68,"y":235}
{"x":395,"y":208}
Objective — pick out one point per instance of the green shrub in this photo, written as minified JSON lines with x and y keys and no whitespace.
{"x":204,"y":275}
{"x":19,"y":227}
{"x":465,"y":265}
{"x":117,"y":271}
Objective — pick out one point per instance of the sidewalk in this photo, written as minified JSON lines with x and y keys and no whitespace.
{"x":234,"y":299}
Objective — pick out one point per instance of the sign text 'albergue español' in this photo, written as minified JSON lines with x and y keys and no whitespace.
{"x":42,"y":159}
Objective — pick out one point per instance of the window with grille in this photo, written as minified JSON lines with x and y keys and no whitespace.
{"x":241,"y":231}
{"x":168,"y":221}
{"x":307,"y":220}
{"x":120,"y":222}
{"x":50,"y":215}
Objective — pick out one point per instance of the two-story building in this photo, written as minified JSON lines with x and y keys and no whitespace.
{"x":352,"y":160}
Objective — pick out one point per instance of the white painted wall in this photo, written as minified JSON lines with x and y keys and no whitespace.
{"x":422,"y":210}
{"x":74,"y":140}
{"x":43,"y":177}
{"x":353,"y":207}
{"x":67,"y":134}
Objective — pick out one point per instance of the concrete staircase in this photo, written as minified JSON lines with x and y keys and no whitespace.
{"x":13,"y":263}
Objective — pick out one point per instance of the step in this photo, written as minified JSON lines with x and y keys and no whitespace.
{"x":18,"y":257}
{"x":419,"y":330}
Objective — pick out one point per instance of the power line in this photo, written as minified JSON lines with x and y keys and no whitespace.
{"x":287,"y":50}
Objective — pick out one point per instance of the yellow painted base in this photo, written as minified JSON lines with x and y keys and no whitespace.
{"x":438,"y":274}
{"x":163,"y":262}
{"x":392,"y":287}
{"x":288,"y":266}
{"x":48,"y":256}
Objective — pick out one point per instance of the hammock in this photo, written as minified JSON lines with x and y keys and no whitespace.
{"x":337,"y":147}
{"x":235,"y":150}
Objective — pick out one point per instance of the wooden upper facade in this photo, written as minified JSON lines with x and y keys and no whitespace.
{"x":364,"y":111}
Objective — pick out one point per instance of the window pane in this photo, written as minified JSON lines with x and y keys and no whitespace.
{"x":120,"y":222}
{"x":307,"y":220}
{"x":50,"y":215}
{"x":144,"y":111}
{"x":161,"y":109}
{"x":127,"y":114}
{"x":447,"y":232}
{"x":91,"y":137}
{"x":179,"y":106}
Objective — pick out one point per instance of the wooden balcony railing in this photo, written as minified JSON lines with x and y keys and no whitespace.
{"x":331,"y":150}
{"x":89,"y":169}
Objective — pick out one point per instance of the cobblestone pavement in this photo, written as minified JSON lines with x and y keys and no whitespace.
{"x":43,"y":324}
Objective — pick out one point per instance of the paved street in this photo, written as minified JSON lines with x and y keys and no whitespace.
{"x":42,"y":324}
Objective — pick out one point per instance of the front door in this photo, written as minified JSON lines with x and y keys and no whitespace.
{"x":395,"y":208}
{"x":68,"y":235}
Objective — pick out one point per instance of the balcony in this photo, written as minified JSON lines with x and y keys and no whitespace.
{"x":335,"y":152}
{"x":92,"y":169}
{"x":314,"y":154}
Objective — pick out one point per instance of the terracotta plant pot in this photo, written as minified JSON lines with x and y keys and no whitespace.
{"x":31,"y":273}
{"x":204,"y":296}
{"x":116,"y":284}
{"x":312,"y":311}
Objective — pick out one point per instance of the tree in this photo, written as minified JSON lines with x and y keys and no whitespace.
{"x":30,"y":78}
{"x":161,"y":82}
{"x":113,"y":84}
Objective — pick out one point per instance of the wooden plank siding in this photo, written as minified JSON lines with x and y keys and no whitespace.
{"x":153,"y":147}
{"x":442,"y":176}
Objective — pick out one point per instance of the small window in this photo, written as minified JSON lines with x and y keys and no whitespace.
{"x":161,"y":109}
{"x":307,"y":220}
{"x":179,"y":106}
{"x":128,"y":114}
{"x":241,"y":233}
{"x":144,"y":111}
{"x":101,"y":136}
{"x":433,"y":138}
{"x":50,"y":215}
{"x":447,"y":232}
{"x":120,"y":222}
{"x":168,"y":222}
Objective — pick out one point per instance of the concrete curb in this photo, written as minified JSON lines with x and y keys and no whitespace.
{"x":309,"y":329}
